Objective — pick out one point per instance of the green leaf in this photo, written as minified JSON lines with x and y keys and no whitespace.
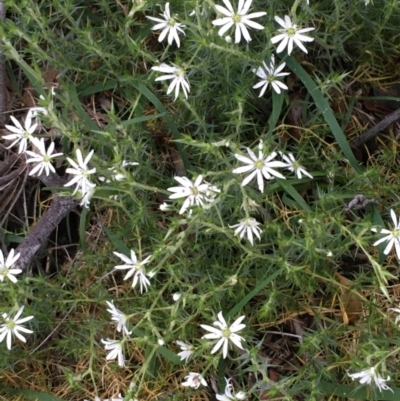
{"x":171,"y":124}
{"x":277,"y":102}
{"x":240,"y":305}
{"x":323,"y":106}
{"x":359,"y":393}
{"x":30,"y":394}
{"x":118,"y":244}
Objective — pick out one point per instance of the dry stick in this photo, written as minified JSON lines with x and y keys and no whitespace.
{"x":374,"y":131}
{"x":60,"y":207}
{"x":3,"y":89}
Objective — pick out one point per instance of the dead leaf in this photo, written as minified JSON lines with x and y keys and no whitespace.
{"x":350,"y":302}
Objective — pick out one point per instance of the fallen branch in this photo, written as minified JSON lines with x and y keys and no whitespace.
{"x":374,"y":131}
{"x":3,"y":88}
{"x":47,"y":224}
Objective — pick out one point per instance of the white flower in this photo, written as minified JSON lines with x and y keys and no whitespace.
{"x":169,"y":26}
{"x":87,"y":196}
{"x":294,"y":165}
{"x":115,"y":347}
{"x":195,"y":193}
{"x":224,"y":334}
{"x":177,"y":296}
{"x":248,"y":226}
{"x":35,"y":112}
{"x":194,"y":380}
{"x":81,"y":172}
{"x":118,"y":317}
{"x":13,"y":327}
{"x":118,"y":175}
{"x":240,"y":19}
{"x":290,"y":33}
{"x":398,"y":314}
{"x":165,"y":207}
{"x":393,"y":236}
{"x":43,"y":159}
{"x":259,"y":166}
{"x":187,"y":350}
{"x":160,"y":342}
{"x":6,"y":266}
{"x":178,"y":76}
{"x":368,"y":375}
{"x":136,"y":269}
{"x":269,"y":75}
{"x":21,"y":134}
{"x":228,"y":395}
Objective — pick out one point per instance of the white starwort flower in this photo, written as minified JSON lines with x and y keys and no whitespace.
{"x":187,"y":350}
{"x":269,"y":75}
{"x":81,"y":172}
{"x":177,"y":296}
{"x":195,"y":193}
{"x":119,"y":318}
{"x":228,"y":395}
{"x":368,"y":375}
{"x":178,"y":76}
{"x":169,"y":27}
{"x":165,"y":207}
{"x":36,"y":112}
{"x":21,"y":134}
{"x":224,"y":334}
{"x":261,"y":166}
{"x":136,"y":269}
{"x":294,"y":165}
{"x":115,"y":347}
{"x":117,"y":175}
{"x":87,"y":196}
{"x":13,"y":326}
{"x":393,"y":236}
{"x":6,"y":269}
{"x":160,"y":342}
{"x":240,"y":19}
{"x":43,"y":158}
{"x":290,"y":33}
{"x":248,"y":226}
{"x":194,"y":380}
{"x":397,"y":310}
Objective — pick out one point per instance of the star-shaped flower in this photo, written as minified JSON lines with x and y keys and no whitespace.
{"x":229,"y":395}
{"x":169,"y":27}
{"x":261,"y":166}
{"x":289,"y":34}
{"x":178,"y":76}
{"x":368,"y":375}
{"x":194,"y":380}
{"x":6,"y":269}
{"x":240,"y":19}
{"x":118,"y":317}
{"x":392,"y":237}
{"x":115,"y":347}
{"x":135,"y":268}
{"x":43,"y":158}
{"x":187,"y":350}
{"x":269,"y":75}
{"x":248,"y":226}
{"x":294,"y":165}
{"x":21,"y":134}
{"x":194,"y":192}
{"x":81,"y":172}
{"x":224,"y":334}
{"x":13,"y":326}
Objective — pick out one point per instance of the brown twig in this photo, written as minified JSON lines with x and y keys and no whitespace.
{"x":3,"y":88}
{"x":60,"y":207}
{"x":374,"y":131}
